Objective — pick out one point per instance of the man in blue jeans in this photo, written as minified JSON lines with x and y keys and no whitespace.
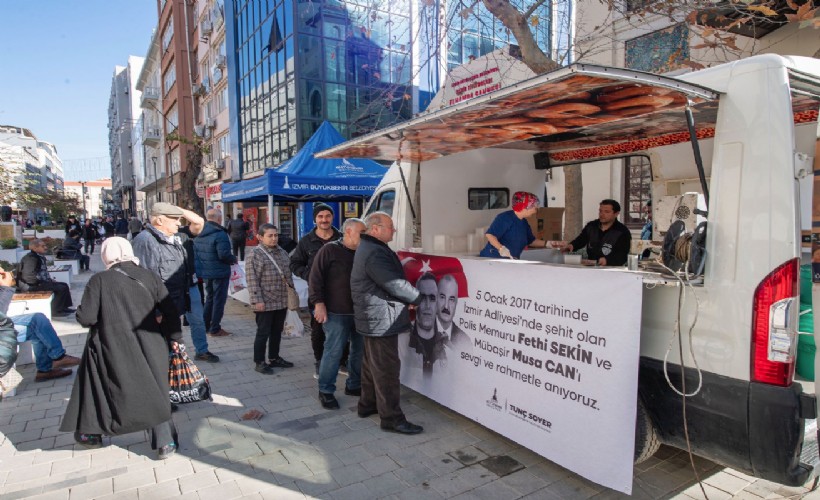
{"x":49,"y":355}
{"x":329,"y":283}
{"x":213,"y":260}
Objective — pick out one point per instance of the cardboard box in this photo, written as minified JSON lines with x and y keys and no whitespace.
{"x":547,"y":224}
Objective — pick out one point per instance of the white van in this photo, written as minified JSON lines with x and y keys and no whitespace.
{"x":756,"y":121}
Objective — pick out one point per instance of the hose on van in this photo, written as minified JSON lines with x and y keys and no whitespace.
{"x":682,"y":393}
{"x":676,"y":333}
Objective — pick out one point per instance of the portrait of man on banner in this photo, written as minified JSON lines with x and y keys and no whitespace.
{"x":435,"y":338}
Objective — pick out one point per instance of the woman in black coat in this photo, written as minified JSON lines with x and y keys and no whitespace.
{"x":122,"y":381}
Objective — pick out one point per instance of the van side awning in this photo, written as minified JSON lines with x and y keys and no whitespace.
{"x":578,"y":113}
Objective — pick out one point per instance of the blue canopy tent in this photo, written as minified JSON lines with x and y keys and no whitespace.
{"x":305,"y":178}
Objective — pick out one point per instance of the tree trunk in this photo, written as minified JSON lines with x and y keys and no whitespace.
{"x":574,"y":202}
{"x":539,"y":62}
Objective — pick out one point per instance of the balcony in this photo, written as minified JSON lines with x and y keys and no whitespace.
{"x":150,"y":95}
{"x":151,"y":136}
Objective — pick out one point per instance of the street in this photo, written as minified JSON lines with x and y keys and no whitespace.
{"x":299,"y":450}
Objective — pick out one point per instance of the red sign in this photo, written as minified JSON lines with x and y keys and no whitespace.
{"x":212,"y":190}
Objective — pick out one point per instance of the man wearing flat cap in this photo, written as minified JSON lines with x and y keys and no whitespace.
{"x":301,"y":261}
{"x":161,"y":248}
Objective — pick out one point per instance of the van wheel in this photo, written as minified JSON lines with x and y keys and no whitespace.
{"x":646,"y":439}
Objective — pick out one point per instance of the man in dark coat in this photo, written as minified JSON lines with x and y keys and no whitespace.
{"x":122,"y":381}
{"x":606,"y":239}
{"x":72,"y":250}
{"x":213,"y":260}
{"x":33,"y":277}
{"x":90,"y":235}
{"x":161,"y":247}
{"x":238,"y":229}
{"x":380,"y":295}
{"x":108,"y":226}
{"x":121,"y":227}
{"x":301,"y":260}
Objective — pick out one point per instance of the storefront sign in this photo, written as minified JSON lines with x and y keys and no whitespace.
{"x":545,"y":355}
{"x":214,"y":192}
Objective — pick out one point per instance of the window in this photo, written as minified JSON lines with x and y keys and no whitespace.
{"x":637,"y":190}
{"x":223,"y":146}
{"x":384,"y":203}
{"x":168,"y":34}
{"x":488,"y":198}
{"x":170,"y":77}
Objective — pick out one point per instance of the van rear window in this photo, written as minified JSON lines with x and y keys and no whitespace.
{"x":488,"y":198}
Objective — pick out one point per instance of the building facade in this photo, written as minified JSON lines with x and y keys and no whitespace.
{"x":27,"y":163}
{"x":94,"y":195}
{"x":151,"y":177}
{"x":123,"y":115}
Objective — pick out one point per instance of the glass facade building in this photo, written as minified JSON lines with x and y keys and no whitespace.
{"x":294,"y":63}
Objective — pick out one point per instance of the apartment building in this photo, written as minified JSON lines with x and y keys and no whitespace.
{"x":94,"y":195}
{"x":151,"y":147}
{"x":124,"y":132}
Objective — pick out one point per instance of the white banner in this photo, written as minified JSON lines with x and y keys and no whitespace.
{"x":544,"y":355}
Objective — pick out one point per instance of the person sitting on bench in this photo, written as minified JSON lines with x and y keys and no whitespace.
{"x":72,"y":250}
{"x":49,"y":355}
{"x":33,"y":277}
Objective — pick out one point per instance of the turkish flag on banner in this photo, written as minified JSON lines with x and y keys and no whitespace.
{"x":416,"y":264}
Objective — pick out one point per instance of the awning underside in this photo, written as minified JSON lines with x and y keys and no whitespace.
{"x":579,"y":114}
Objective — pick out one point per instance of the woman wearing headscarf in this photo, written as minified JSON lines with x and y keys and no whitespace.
{"x":510,"y":232}
{"x":122,"y":381}
{"x":268,"y":273}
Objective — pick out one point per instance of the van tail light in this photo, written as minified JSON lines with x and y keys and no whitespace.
{"x":774,"y":325}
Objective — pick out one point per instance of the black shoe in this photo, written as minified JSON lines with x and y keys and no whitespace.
{"x":328,"y":401}
{"x":403,"y":428}
{"x":280,"y":363}
{"x":366,"y":413}
{"x":353,"y":392}
{"x":207,"y":356}
{"x":68,"y":310}
{"x":166,"y":451}
{"x":174,"y":407}
{"x":88,"y":440}
{"x":264,"y":368}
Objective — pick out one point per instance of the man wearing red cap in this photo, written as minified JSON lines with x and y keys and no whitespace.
{"x":510,"y":233}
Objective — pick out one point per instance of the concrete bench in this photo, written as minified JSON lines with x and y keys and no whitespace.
{"x":74,"y":263}
{"x":60,"y":273}
{"x":29,"y":303}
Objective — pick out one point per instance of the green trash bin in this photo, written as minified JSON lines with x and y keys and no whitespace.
{"x":806,"y":347}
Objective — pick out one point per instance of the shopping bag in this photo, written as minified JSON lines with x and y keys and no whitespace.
{"x":293,"y":298}
{"x":186,"y":383}
{"x":293,"y":325}
{"x":238,"y":281}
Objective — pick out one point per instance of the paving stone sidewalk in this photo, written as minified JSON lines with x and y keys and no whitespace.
{"x":299,"y":450}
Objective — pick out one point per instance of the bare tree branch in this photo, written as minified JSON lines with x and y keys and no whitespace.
{"x":533,"y":8}
{"x":532,"y":55}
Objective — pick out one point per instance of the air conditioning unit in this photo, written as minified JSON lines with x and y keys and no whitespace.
{"x":199,"y":130}
{"x":200,"y":89}
{"x":221,"y":60}
{"x":221,"y":163}
{"x":206,"y":28}
{"x":207,"y":133}
{"x":210,"y":123}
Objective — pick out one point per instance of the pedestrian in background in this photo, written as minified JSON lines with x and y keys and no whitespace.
{"x":268,"y":276}
{"x":238,"y":229}
{"x":301,"y":261}
{"x":213,"y":259}
{"x":90,"y":235}
{"x":121,"y":227}
{"x":134,"y":226}
{"x":122,"y":382}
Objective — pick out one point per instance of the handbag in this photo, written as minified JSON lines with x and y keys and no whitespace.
{"x":186,"y":383}
{"x":293,"y":297}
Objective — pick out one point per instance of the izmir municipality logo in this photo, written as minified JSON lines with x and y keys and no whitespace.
{"x":348,"y":167}
{"x":493,"y":401}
